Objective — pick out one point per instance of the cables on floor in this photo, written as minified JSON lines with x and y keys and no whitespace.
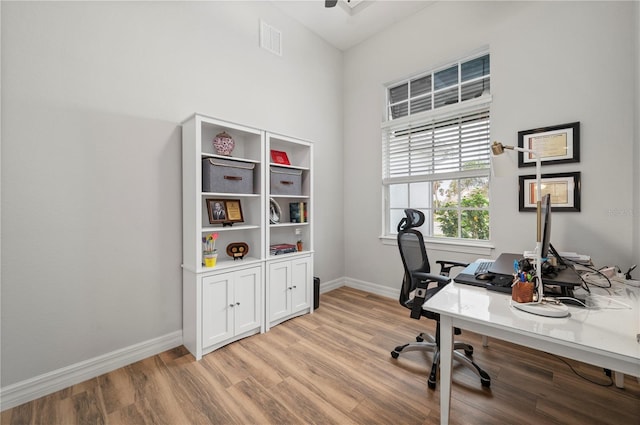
{"x":586,"y":378}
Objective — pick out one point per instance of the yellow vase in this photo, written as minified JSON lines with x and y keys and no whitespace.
{"x":210,"y":259}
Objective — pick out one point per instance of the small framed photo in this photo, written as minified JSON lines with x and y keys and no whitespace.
{"x":557,"y":144}
{"x":234,"y":211}
{"x":224,"y":211}
{"x":217,"y":211}
{"x":563,"y":187}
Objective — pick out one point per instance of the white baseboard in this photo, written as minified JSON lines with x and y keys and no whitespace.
{"x":39,"y":386}
{"x":373,"y":288}
{"x":383,"y":291}
{"x":331,"y":285}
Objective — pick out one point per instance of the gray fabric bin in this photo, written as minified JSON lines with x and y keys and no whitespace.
{"x":227,"y":176}
{"x":286,"y":181}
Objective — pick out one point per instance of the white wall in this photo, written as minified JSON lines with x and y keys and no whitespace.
{"x":548,"y":66}
{"x":636,"y":166}
{"x":93,"y":96}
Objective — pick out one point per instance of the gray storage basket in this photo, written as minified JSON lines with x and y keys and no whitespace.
{"x":286,"y":181}
{"x":227,"y":176}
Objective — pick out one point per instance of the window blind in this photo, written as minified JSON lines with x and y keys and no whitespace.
{"x":454,"y":143}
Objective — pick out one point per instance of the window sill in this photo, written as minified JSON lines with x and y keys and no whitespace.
{"x":482,"y":249}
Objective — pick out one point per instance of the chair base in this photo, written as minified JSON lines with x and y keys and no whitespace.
{"x":426,"y":342}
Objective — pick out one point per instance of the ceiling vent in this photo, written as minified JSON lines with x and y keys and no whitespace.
{"x":270,"y":38}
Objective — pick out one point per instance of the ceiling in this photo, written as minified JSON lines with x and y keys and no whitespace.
{"x":349,"y":22}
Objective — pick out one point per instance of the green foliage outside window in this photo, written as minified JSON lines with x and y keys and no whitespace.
{"x":474,"y":223}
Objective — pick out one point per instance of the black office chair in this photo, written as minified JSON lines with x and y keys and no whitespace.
{"x":415,"y":290}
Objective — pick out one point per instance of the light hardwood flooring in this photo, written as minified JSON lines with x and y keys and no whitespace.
{"x":334,"y":367}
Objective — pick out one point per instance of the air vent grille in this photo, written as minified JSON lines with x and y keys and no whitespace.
{"x":270,"y":38}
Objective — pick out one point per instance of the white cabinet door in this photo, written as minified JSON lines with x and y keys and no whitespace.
{"x":247,"y":298}
{"x":279,"y":284}
{"x":217,"y":315}
{"x":230,"y":305}
{"x":300,"y":284}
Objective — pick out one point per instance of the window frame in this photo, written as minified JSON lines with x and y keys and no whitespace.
{"x":435,"y":114}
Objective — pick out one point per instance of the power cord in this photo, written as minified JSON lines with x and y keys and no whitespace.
{"x":573,"y":300}
{"x":585,"y":284}
{"x":607,"y":372}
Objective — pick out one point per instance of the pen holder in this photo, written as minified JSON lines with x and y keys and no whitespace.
{"x":522,"y":292}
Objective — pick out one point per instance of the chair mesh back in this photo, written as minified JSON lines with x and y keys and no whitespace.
{"x":414,"y":257}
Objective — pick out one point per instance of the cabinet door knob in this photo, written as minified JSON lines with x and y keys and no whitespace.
{"x":237,"y":303}
{"x":294,"y":286}
{"x":231,"y":305}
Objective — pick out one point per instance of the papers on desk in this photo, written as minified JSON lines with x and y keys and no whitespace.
{"x":578,"y":258}
{"x":596,"y":278}
{"x":571,"y":256}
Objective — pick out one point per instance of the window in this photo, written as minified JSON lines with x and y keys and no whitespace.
{"x":436,"y":147}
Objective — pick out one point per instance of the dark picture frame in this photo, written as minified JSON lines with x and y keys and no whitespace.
{"x":224,"y":211}
{"x":565,"y":190}
{"x":557,"y":144}
{"x":214,"y":205}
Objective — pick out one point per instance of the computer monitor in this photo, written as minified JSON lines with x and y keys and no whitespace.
{"x":546,"y":225}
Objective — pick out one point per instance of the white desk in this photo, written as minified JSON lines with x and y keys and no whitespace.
{"x":603,"y":337}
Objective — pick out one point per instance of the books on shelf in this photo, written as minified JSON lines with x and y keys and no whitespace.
{"x":298,"y":212}
{"x":282,"y":248}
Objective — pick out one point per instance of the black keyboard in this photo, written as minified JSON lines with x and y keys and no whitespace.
{"x":483,"y":267}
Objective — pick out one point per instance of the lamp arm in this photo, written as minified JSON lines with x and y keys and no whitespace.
{"x":538,"y":249}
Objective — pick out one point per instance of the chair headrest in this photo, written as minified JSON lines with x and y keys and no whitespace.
{"x":414,"y":218}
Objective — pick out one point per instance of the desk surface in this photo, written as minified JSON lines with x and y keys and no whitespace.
{"x":605,"y":337}
{"x":613,"y":327}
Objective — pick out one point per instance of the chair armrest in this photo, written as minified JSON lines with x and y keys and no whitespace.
{"x":446,"y":266}
{"x":420,"y":295}
{"x":426,"y":278}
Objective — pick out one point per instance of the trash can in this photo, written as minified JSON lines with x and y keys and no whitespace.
{"x":316,"y":292}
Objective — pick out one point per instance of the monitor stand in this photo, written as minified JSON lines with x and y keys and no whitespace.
{"x":565,"y":293}
{"x":546,"y":309}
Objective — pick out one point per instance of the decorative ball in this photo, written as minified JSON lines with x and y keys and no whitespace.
{"x":224,"y":144}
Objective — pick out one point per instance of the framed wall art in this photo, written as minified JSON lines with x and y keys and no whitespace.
{"x":564,"y":189}
{"x":557,"y":144}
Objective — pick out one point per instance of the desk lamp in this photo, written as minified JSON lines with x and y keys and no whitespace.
{"x":539,"y":306}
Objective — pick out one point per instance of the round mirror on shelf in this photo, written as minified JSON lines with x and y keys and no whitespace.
{"x":274,"y":212}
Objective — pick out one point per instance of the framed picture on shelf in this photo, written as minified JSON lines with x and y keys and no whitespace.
{"x":556,"y":144}
{"x":216,"y":210}
{"x":234,"y":211}
{"x":279,"y":157}
{"x":222,"y":211}
{"x":564,"y":189}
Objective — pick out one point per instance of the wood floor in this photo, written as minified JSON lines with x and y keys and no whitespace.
{"x":334,"y":367}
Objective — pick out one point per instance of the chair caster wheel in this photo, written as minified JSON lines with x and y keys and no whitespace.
{"x":400,"y":348}
{"x":419,"y":339}
{"x":395,"y":354}
{"x":432,"y":385}
{"x":485,"y":379}
{"x":468,"y":352}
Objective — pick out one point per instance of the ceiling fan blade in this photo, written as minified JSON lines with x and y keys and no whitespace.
{"x":330,"y":3}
